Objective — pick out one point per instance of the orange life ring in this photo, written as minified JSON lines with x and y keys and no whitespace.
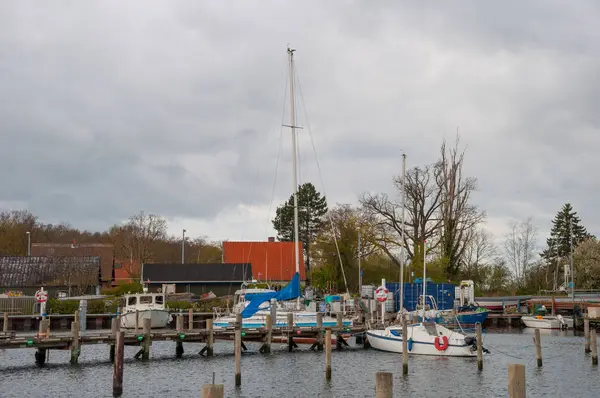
{"x":443,"y":346}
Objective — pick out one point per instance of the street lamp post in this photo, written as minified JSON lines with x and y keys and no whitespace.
{"x":183,"y":248}
{"x":28,"y":244}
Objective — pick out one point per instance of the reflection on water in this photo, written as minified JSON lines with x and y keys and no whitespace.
{"x":301,"y":374}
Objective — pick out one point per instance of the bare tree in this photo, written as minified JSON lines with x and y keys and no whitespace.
{"x":520,"y":246}
{"x":480,"y":251}
{"x":458,"y":217}
{"x":423,"y":200}
{"x":136,"y":237}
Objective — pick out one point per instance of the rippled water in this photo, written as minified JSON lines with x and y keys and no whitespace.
{"x":567,"y":371}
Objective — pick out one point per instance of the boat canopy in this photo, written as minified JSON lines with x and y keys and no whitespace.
{"x":289,"y":292}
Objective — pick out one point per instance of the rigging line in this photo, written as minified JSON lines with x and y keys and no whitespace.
{"x":337,"y":248}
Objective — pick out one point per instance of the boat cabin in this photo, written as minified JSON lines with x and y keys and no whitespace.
{"x":144,"y":301}
{"x":243,"y":296}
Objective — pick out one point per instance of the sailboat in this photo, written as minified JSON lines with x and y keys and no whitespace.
{"x":255,"y":305}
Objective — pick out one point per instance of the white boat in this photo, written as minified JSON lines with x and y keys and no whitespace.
{"x":145,"y":306}
{"x":426,"y":338}
{"x":548,"y":322}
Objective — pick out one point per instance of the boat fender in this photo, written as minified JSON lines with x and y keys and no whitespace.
{"x":441,"y":346}
{"x":410,"y":344}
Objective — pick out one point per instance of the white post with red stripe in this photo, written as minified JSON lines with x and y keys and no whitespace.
{"x":381,"y":294}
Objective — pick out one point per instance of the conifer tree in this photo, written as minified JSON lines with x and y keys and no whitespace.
{"x":558,"y":244}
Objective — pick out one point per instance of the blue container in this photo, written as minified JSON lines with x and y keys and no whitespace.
{"x":443,"y":293}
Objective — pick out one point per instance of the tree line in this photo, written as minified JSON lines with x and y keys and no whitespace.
{"x":443,"y":226}
{"x":143,"y":238}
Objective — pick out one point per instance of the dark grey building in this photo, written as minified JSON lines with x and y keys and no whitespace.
{"x":221,"y":279}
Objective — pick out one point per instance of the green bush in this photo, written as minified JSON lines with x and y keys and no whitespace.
{"x":56,"y":306}
{"x":123,"y":288}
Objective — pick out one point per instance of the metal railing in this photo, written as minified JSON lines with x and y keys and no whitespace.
{"x":17,"y":305}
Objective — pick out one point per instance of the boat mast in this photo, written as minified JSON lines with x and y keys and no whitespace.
{"x":424,"y":274}
{"x":290,"y":52}
{"x":571,"y":261}
{"x":402,"y":247}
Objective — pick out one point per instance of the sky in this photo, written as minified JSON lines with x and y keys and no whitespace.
{"x":108,"y":108}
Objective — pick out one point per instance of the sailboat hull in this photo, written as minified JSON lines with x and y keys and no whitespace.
{"x":259,"y":320}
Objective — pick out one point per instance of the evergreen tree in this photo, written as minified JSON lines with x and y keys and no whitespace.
{"x":558,"y":244}
{"x":312,"y":208}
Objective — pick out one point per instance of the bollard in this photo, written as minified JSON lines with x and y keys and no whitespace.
{"x":479,"y":347}
{"x":213,"y":391}
{"x":404,"y":347}
{"x":328,"y":354}
{"x":538,"y":347}
{"x":383,"y":385}
{"x":516,"y":381}
{"x":586,"y":333}
{"x":118,"y":364}
{"x":594,"y":347}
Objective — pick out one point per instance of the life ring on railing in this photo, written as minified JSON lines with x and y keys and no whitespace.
{"x":443,"y":346}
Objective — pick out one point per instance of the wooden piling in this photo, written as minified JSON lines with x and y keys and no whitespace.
{"x":586,"y":333}
{"x":594,"y":346}
{"x":404,"y":347}
{"x":266,"y":347}
{"x":75,"y":350}
{"x":146,"y":342}
{"x":191,"y":319}
{"x":179,"y":329}
{"x":43,"y":330}
{"x":5,"y":324}
{"x":328,"y":354}
{"x":213,"y":391}
{"x":40,"y":356}
{"x":320,"y":329}
{"x":479,"y":347}
{"x":384,"y":385}
{"x":114,"y":323}
{"x":238,"y":350}
{"x":137,"y":320}
{"x":339,"y":316}
{"x":290,"y":328}
{"x":118,"y":364}
{"x":516,"y":380}
{"x":210,"y":338}
{"x":538,"y":347}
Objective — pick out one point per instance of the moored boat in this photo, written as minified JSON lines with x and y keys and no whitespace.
{"x":145,"y":306}
{"x":547,"y":322}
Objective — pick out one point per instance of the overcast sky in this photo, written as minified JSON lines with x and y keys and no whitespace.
{"x":109,"y":107}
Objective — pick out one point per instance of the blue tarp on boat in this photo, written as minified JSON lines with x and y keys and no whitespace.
{"x":289,"y":292}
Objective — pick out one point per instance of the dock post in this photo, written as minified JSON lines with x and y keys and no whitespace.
{"x":586,"y":333}
{"x":238,"y":350}
{"x":479,"y":347}
{"x":266,"y":347}
{"x":118,"y":364}
{"x":404,"y":347}
{"x":290,"y":328}
{"x":113,"y":332}
{"x":594,"y":348}
{"x":146,"y":342}
{"x":538,"y":347}
{"x":191,"y":319}
{"x":328,"y":354}
{"x":137,"y":320}
{"x":75,"y":350}
{"x":384,"y":383}
{"x":516,"y":381}
{"x":210,"y":338}
{"x":5,"y":324}
{"x":320,"y":331}
{"x":178,"y":343}
{"x":40,"y":356}
{"x":213,"y":391}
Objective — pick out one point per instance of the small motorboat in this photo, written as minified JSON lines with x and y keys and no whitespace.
{"x":145,"y":306}
{"x":548,"y":322}
{"x":425,"y":338}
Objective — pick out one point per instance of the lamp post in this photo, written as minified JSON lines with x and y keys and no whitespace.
{"x":28,"y":244}
{"x":183,"y":248}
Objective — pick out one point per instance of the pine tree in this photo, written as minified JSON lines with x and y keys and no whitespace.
{"x":312,"y":208}
{"x":559,"y":242}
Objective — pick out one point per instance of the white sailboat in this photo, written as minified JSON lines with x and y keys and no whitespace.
{"x":255,"y":316}
{"x":424,"y":338}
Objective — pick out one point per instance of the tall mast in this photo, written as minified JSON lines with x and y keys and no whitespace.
{"x":294,"y":162}
{"x":402,"y":247}
{"x":571,"y":261}
{"x":424,"y":275}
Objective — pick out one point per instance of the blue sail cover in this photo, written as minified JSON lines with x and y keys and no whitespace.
{"x":291,"y":291}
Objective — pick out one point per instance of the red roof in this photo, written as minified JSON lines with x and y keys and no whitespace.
{"x":273,"y":261}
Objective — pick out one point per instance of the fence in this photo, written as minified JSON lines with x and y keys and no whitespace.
{"x":17,"y":305}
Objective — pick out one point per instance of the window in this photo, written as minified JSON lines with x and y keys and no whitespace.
{"x":132,"y":300}
{"x":158,"y":299}
{"x":146,"y":300}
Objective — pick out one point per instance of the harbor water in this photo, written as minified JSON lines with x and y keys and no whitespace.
{"x":566,"y":371}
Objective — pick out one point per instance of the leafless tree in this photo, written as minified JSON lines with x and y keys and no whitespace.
{"x":480,"y":251}
{"x":458,"y":217}
{"x":520,"y":246}
{"x":136,"y":237}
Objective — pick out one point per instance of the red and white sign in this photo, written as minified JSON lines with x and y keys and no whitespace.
{"x":381,"y":294}
{"x":41,"y":296}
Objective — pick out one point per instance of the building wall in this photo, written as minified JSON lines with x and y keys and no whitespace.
{"x":272,"y":261}
{"x":106,"y":253}
{"x":219,"y":289}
